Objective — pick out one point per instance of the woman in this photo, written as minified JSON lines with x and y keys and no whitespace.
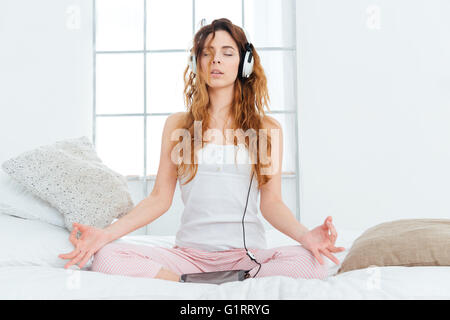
{"x":210,"y":237}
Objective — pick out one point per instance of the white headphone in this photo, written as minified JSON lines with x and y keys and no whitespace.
{"x":245,"y":64}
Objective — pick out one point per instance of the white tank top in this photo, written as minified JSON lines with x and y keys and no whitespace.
{"x":214,"y":202}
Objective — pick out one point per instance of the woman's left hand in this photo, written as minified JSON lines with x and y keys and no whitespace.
{"x":321,"y":240}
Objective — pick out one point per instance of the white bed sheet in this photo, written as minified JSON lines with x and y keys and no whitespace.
{"x":36,"y":282}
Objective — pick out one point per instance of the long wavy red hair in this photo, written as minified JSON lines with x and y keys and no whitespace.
{"x":250,"y":97}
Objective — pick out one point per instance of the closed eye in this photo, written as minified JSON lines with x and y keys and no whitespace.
{"x":205,"y":55}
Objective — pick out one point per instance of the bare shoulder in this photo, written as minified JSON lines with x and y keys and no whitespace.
{"x":176,"y":118}
{"x":270,"y":122}
{"x":173,"y":122}
{"x":274,"y":130}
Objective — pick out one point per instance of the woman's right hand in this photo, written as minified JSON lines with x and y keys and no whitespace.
{"x":92,"y":239}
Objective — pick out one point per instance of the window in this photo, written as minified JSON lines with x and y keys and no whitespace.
{"x":140,"y":53}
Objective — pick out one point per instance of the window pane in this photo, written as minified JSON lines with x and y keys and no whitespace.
{"x":120,"y":83}
{"x":271,"y":23}
{"x":155,"y":126}
{"x":279,"y":67}
{"x":120,"y":25}
{"x":163,"y":33}
{"x":165,"y":81}
{"x":119,"y":143}
{"x":287,"y":122}
{"x":216,"y":9}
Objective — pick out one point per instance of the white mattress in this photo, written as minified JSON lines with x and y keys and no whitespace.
{"x":37,"y":282}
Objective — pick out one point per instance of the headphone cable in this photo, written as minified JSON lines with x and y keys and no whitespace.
{"x":250,"y":254}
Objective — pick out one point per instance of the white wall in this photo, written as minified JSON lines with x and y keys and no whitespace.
{"x":45,"y":73}
{"x":374,"y":110}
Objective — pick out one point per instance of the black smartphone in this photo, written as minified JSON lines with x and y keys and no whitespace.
{"x":215,"y":277}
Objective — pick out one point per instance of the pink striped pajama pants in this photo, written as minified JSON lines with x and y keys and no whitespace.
{"x":146,"y":261}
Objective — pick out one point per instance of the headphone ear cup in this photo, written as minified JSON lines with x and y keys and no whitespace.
{"x":247,"y":67}
{"x":192,"y":62}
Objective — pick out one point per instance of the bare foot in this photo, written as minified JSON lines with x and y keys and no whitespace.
{"x":167,"y":275}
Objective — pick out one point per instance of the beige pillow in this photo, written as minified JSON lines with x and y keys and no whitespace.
{"x":70,"y":176}
{"x":409,"y":242}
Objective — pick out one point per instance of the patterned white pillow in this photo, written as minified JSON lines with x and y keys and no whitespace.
{"x":70,"y":176}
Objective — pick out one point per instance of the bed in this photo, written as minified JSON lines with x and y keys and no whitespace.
{"x":34,"y":275}
{"x":37,"y":205}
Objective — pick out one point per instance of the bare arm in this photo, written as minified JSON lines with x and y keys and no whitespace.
{"x":319,"y":240}
{"x":144,"y":213}
{"x":272,"y":206}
